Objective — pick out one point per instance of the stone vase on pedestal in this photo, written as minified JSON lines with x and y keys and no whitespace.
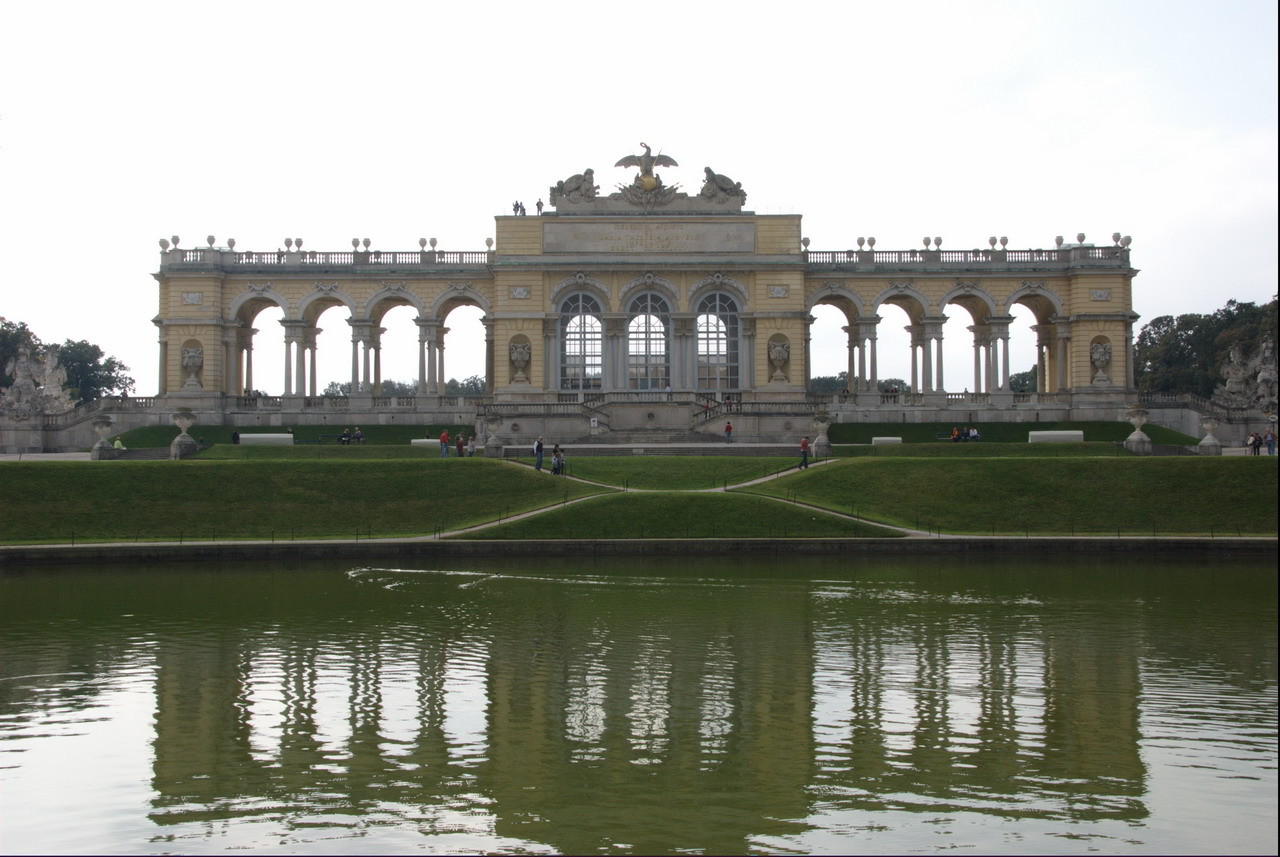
{"x":821,"y":443}
{"x":1209,"y":445}
{"x":1138,"y":442}
{"x":102,"y":450}
{"x":492,"y":443}
{"x":184,"y":444}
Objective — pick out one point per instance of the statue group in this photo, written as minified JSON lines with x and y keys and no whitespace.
{"x":37,"y":385}
{"x":1249,"y":380}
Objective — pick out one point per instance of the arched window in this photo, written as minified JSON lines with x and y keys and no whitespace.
{"x":581,"y":343}
{"x":648,"y":353}
{"x":717,"y":328}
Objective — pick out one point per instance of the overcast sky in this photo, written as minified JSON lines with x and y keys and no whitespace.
{"x":124,"y":123}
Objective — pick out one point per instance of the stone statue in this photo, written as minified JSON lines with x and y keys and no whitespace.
{"x":37,"y":385}
{"x":779,"y":354}
{"x":192,"y":361}
{"x":1100,"y":356}
{"x":575,"y":188}
{"x":646,"y":180}
{"x":1250,"y":381}
{"x":720,"y":188}
{"x":520,"y":354}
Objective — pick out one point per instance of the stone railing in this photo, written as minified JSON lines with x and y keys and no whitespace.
{"x":1094,"y":257}
{"x":310,"y":259}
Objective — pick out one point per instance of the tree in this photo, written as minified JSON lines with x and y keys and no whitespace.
{"x":829,"y":383}
{"x":1024,"y":382}
{"x":1186,"y":354}
{"x":889,"y":385}
{"x":90,"y":373}
{"x":473,"y":386}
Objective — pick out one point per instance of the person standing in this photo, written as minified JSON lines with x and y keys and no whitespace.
{"x":444,"y":444}
{"x":804,"y":453}
{"x":471,"y":447}
{"x":462,"y":445}
{"x":728,"y":432}
{"x":537,"y":454}
{"x":1269,"y":438}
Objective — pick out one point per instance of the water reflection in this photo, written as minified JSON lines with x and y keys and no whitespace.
{"x":651,"y":708}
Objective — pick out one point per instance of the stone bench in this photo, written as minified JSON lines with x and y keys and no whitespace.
{"x":1066,"y":436}
{"x":885,"y":441}
{"x":266,"y":440}
{"x":424,"y":441}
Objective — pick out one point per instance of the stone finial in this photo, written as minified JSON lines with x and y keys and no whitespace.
{"x":231,"y":243}
{"x":1115,"y":238}
{"x":1057,"y":241}
{"x":174,"y":239}
{"x":861,"y":242}
{"x":1079,"y":237}
{"x":164,"y":244}
{"x":992,"y":242}
{"x":871,"y":242}
{"x":1126,"y":241}
{"x":1004,"y":241}
{"x":937,"y":243}
{"x":209,"y":238}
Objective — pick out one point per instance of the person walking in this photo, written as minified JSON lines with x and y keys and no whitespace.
{"x":444,"y":444}
{"x":728,"y":432}
{"x":537,"y":454}
{"x":804,"y":453}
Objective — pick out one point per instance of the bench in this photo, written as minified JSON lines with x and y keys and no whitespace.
{"x":266,"y":440}
{"x":1064,"y":436}
{"x":942,"y":435}
{"x":885,"y":441}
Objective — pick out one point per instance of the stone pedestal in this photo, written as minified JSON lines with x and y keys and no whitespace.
{"x":1138,"y":442}
{"x":1209,"y":445}
{"x":102,"y":450}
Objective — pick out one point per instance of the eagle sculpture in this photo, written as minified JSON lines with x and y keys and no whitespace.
{"x":647,"y":161}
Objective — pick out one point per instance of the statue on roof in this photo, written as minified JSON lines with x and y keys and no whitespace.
{"x":647,"y":189}
{"x":720,"y":188}
{"x":575,"y":188}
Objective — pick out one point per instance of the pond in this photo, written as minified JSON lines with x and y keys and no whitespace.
{"x":819,"y":705}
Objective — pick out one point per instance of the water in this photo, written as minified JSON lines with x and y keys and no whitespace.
{"x":643,"y":707}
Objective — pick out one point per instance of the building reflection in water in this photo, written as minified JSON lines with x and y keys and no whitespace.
{"x":648,"y":713}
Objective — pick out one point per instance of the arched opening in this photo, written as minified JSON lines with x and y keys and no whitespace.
{"x":648,"y":344}
{"x":894,"y":359}
{"x":829,"y":343}
{"x":717,"y":331}
{"x":465,"y":349}
{"x":1023,"y":346}
{"x":261,"y":365}
{"x":333,"y":350}
{"x":581,"y":343}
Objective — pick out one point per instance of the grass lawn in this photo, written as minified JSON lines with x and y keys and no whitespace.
{"x":670,"y":472}
{"x":202,"y":500}
{"x":1061,"y":496}
{"x":663,"y":515}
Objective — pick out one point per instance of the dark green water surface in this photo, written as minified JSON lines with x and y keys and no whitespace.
{"x":719,"y":707}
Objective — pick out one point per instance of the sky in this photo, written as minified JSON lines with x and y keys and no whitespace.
{"x":121,"y":124}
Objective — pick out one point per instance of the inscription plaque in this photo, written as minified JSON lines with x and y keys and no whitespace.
{"x":644,"y":237}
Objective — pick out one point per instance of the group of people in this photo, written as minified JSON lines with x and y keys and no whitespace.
{"x":964,"y":434}
{"x":348,"y":436}
{"x":1255,"y":442}
{"x":557,"y":458}
{"x":466,"y":446}
{"x":517,"y":208}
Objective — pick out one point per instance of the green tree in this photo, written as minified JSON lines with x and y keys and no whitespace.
{"x":888,"y":385}
{"x":829,"y":383}
{"x":1024,"y":382}
{"x":91,"y":374}
{"x":473,"y":386}
{"x":1186,"y":354}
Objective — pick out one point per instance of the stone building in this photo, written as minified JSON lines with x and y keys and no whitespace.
{"x":646,"y":310}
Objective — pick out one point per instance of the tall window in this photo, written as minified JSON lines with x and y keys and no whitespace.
{"x":581,"y":343}
{"x":648,"y":354}
{"x":717,"y":328}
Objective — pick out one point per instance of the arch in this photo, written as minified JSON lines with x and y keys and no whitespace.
{"x":972,"y":297}
{"x":254,"y":299}
{"x":839,"y":296}
{"x":321,"y":298}
{"x":389,"y":296}
{"x":582,"y":282}
{"x":904,"y":295}
{"x":653,"y":283}
{"x":456,"y":295}
{"x":718,"y":282}
{"x":1042,"y":301}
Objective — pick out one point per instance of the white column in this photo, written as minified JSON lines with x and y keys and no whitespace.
{"x":288,"y":366}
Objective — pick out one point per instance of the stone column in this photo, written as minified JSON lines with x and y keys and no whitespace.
{"x":248,"y":360}
{"x":933,"y":344}
{"x":873,"y":382}
{"x":1130,"y":383}
{"x":978,"y":343}
{"x":440,"y":378}
{"x":293,"y":357}
{"x":489,"y":368}
{"x":684,"y":357}
{"x":1064,"y":340}
{"x":915,"y":358}
{"x":377,"y":359}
